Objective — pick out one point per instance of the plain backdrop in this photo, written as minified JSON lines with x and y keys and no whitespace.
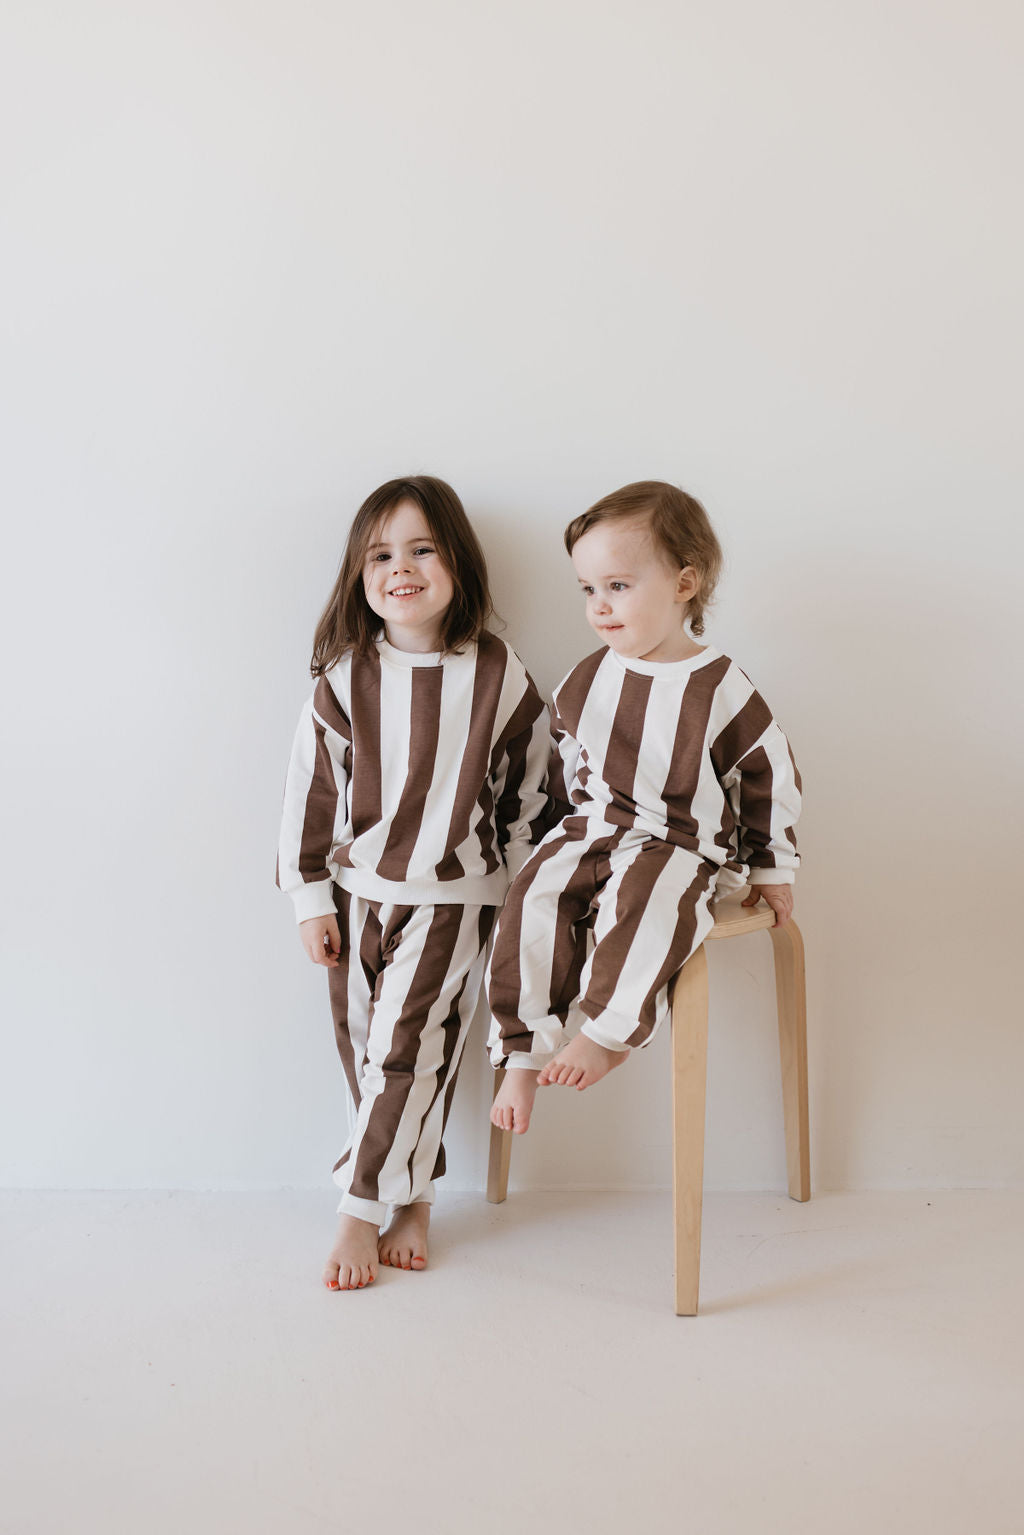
{"x":258,"y":258}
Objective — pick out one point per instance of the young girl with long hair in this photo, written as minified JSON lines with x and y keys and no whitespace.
{"x":414,"y":793}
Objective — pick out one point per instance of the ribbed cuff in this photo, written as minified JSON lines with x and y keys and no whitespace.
{"x":771,"y":877}
{"x":314,"y":900}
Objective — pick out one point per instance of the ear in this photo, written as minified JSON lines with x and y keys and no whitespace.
{"x":687,"y":583}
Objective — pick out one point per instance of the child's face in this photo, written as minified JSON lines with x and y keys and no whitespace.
{"x":636,"y":602}
{"x":406,"y":582}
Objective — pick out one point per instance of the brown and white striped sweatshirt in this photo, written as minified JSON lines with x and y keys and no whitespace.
{"x":686,"y":751}
{"x":415,"y":779}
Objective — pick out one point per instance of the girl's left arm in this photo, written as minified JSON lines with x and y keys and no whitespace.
{"x":519,"y":778}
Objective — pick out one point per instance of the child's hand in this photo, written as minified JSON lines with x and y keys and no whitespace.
{"x":321,"y":939}
{"x":779,"y":898}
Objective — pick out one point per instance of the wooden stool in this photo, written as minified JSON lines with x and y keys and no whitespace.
{"x":689,"y":1080}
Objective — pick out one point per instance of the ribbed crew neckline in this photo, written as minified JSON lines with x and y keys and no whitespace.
{"x":407,"y":657}
{"x":666,"y":671}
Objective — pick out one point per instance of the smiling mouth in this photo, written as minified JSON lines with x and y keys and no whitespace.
{"x":405,"y":591}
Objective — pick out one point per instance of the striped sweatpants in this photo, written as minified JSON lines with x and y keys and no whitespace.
{"x":403,"y":998}
{"x":593,"y":932}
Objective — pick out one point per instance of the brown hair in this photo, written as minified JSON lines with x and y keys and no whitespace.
{"x":349,"y":623}
{"x":679,"y":526}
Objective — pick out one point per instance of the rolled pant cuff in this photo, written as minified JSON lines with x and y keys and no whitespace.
{"x":612,"y":1030}
{"x":520,"y":1061}
{"x":363,"y":1209}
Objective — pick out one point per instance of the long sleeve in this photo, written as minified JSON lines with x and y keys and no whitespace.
{"x":519,"y":778}
{"x":563,"y":766}
{"x":314,"y":802}
{"x":763,"y":787}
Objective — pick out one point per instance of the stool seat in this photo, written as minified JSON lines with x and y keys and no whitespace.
{"x":732,"y":918}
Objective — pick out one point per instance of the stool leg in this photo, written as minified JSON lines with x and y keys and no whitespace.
{"x":689,"y":1083}
{"x":500,"y":1153}
{"x":791,"y":994}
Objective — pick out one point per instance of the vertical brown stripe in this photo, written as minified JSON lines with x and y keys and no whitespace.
{"x":620,"y":761}
{"x":456,"y":1026}
{"x":366,"y":742}
{"x":399,"y":1066}
{"x":573,"y":921}
{"x":571,"y":906}
{"x":679,"y":952}
{"x":424,"y":729}
{"x":514,"y":746}
{"x":756,"y":779}
{"x":688,"y":748}
{"x":337,"y":986}
{"x":743,"y":731}
{"x":319,"y":814}
{"x":612,"y":951}
{"x":486,"y":922}
{"x":491,"y":664}
{"x":506,"y":982}
{"x":327,"y":707}
{"x":572,"y":695}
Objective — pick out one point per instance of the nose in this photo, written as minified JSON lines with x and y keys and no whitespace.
{"x":601,"y":604}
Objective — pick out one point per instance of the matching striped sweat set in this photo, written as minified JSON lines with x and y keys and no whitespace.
{"x":415,"y":790}
{"x":681,"y":787}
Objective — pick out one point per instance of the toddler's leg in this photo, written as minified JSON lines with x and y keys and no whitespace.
{"x":538,"y":957}
{"x":653,"y":913}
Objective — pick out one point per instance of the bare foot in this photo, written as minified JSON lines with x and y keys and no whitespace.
{"x":580,"y":1064}
{"x":404,"y":1244}
{"x":513,"y":1104}
{"x":352,"y":1264}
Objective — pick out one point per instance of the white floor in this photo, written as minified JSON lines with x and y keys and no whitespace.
{"x":171,"y":1364}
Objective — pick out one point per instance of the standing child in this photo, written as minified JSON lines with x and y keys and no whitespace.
{"x":680,"y":784}
{"x":413,"y":793}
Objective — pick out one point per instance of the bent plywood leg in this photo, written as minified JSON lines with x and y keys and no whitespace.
{"x":500,"y":1154}
{"x":689,"y":1082}
{"x":790,"y":991}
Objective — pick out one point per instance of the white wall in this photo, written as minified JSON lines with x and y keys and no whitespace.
{"x":260,"y":257}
